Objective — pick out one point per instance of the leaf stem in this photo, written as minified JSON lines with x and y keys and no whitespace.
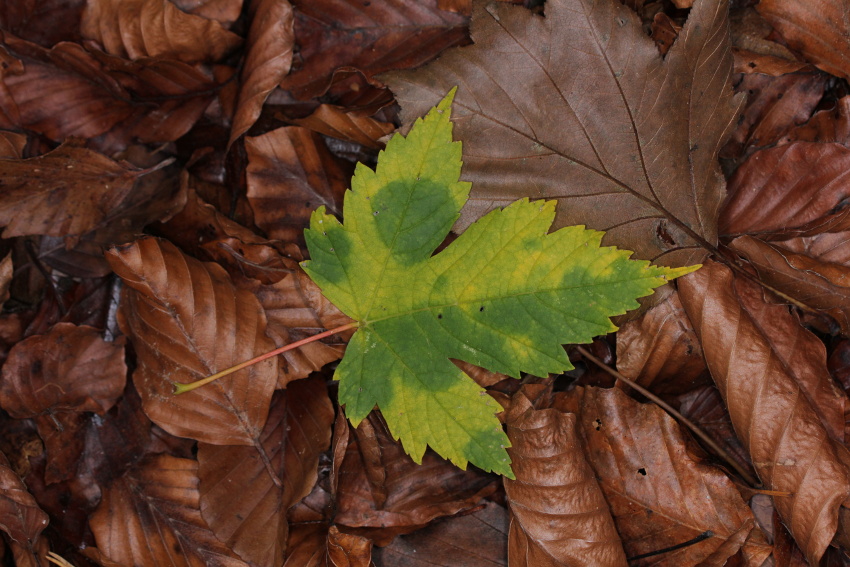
{"x":183,"y":388}
{"x":719,"y":451}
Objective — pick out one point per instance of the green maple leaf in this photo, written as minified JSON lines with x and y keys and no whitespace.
{"x":505,"y":295}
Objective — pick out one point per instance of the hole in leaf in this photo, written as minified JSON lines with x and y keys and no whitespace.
{"x":597,"y":424}
{"x":642,"y":471}
{"x":481,"y":308}
{"x":439,"y":315}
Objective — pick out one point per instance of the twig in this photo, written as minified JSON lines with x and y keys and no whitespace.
{"x":669,"y":409}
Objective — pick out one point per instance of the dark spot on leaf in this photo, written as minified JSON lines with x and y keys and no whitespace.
{"x":481,"y":308}
{"x":664,"y":236}
{"x":597,"y":424}
{"x":779,"y":96}
{"x":35,"y":368}
{"x":642,"y":471}
{"x":439,"y":315}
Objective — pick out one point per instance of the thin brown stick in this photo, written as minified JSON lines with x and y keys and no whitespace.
{"x":719,"y":451}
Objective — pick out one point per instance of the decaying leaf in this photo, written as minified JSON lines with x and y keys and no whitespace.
{"x":356,"y":127}
{"x":415,"y":311}
{"x":252,"y":520}
{"x":374,"y":37}
{"x":151,"y":516}
{"x":819,"y":29}
{"x":659,"y":494}
{"x":20,"y":515}
{"x":186,"y":320}
{"x":155,"y":28}
{"x":559,"y":516}
{"x":65,"y":192}
{"x":775,"y":417}
{"x":268,"y":57}
{"x":579,"y":106}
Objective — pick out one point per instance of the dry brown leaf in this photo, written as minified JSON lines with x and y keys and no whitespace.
{"x":782,"y":430}
{"x":664,"y":32}
{"x":831,"y":125}
{"x":151,"y":516}
{"x":818,"y":284}
{"x":754,"y":52}
{"x":380,"y":487}
{"x":316,"y":545}
{"x":244,"y":499}
{"x":68,"y":91}
{"x":290,"y":174}
{"x":20,"y":515}
{"x":70,"y":368}
{"x":579,"y":106}
{"x":660,"y":350}
{"x":559,"y":516}
{"x":819,"y":29}
{"x":372,"y":37}
{"x":775,"y":105}
{"x":186,"y":321}
{"x":792,"y":190}
{"x":224,"y":11}
{"x":268,"y":57}
{"x":66,"y":192}
{"x":355,"y":127}
{"x":471,"y":540}
{"x":45,"y":22}
{"x":12,"y":144}
{"x":659,"y":494}
{"x":6,"y":272}
{"x":155,"y":28}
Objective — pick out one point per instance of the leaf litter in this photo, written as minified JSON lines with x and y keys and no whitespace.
{"x":254,"y":119}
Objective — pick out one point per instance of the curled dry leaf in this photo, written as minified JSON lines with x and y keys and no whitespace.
{"x":290,"y":174}
{"x":65,"y":192}
{"x":69,"y":369}
{"x":6,"y":272}
{"x":832,"y":125}
{"x":224,"y":11}
{"x":817,"y":284}
{"x":471,"y":540}
{"x":12,"y":145}
{"x":753,"y":50}
{"x":629,"y":153}
{"x":20,"y":516}
{"x":775,"y":105}
{"x":380,"y":487}
{"x":792,"y":190}
{"x":660,"y":350}
{"x":372,"y":37}
{"x":244,"y":499}
{"x":819,"y":29}
{"x":151,"y":516}
{"x":355,"y":127}
{"x":774,"y":416}
{"x":186,"y":321}
{"x":155,"y":28}
{"x":659,"y":494}
{"x":268,"y":57}
{"x":69,"y":91}
{"x":559,"y":516}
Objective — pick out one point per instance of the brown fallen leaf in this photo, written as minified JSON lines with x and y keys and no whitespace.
{"x":381,"y":488}
{"x":753,"y":49}
{"x":831,"y":125}
{"x":660,"y":350}
{"x":660,"y":495}
{"x":12,"y":144}
{"x":775,"y":106}
{"x":244,"y":505}
{"x":45,"y":22}
{"x":559,"y":516}
{"x":291,"y":173}
{"x":375,"y":37}
{"x":316,"y":545}
{"x":268,"y":58}
{"x":224,"y":11}
{"x":65,"y":192}
{"x":69,"y":91}
{"x":818,"y":284}
{"x":782,"y":430}
{"x":566,"y":106}
{"x":472,"y":540}
{"x":335,"y":122}
{"x":186,"y":320}
{"x":20,"y":516}
{"x":151,"y":516}
{"x":818,"y":29}
{"x":792,"y":190}
{"x":155,"y":28}
{"x":664,"y":32}
{"x":70,"y":368}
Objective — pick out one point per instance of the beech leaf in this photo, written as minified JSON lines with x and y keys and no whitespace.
{"x":579,"y":106}
{"x":505,"y":295}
